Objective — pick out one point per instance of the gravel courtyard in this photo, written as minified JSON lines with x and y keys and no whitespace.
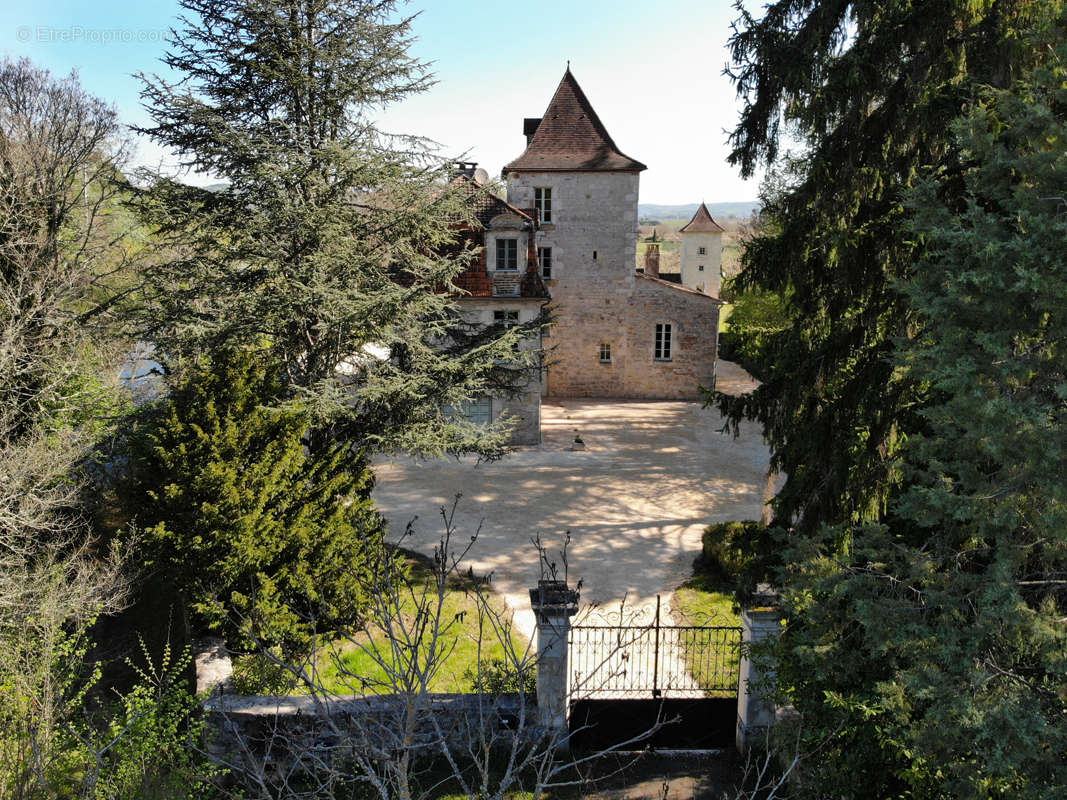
{"x":635,"y":501}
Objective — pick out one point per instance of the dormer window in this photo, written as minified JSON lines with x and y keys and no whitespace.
{"x":507,"y":254}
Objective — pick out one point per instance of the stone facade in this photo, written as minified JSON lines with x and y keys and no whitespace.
{"x":525,"y":408}
{"x":702,"y":253}
{"x":513,"y":294}
{"x":627,"y":324}
{"x":603,"y":342}
{"x":702,"y":271}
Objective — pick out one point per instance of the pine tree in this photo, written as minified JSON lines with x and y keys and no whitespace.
{"x":867,"y":90}
{"x":265,"y":542}
{"x":332,"y":245}
{"x":928,"y":654}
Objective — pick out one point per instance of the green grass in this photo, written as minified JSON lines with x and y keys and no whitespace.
{"x":706,"y":599}
{"x":347,"y":668}
{"x":724,"y":318}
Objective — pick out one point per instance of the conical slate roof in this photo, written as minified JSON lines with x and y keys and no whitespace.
{"x":702,"y":222}
{"x":571,"y":137}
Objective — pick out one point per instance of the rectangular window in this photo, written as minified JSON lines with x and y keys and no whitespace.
{"x":507,"y":254}
{"x":543,"y":204}
{"x":662,"y":351}
{"x":544,"y":261}
{"x":702,"y":251}
{"x":700,"y":268}
{"x":605,"y":353}
{"x":476,"y":411}
{"x":509,"y":319}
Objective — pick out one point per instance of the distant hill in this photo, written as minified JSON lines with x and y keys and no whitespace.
{"x":741,"y":210}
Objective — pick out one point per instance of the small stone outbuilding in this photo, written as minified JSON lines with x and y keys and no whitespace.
{"x":702,"y":253}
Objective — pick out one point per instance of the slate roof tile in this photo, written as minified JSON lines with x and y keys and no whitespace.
{"x":702,"y":222}
{"x":571,"y":137}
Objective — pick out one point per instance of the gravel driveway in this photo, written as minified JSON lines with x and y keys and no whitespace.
{"x":635,"y":501}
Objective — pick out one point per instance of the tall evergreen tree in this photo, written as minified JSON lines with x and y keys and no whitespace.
{"x":263,"y":541}
{"x":933,"y":651}
{"x":332,"y":245}
{"x":925,"y":651}
{"x":867,"y":90}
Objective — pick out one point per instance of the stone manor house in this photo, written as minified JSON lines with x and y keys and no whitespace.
{"x":566,"y":237}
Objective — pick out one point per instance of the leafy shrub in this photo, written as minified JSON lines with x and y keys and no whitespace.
{"x":743,"y":553}
{"x":258,"y":673}
{"x":757,"y":318}
{"x":724,"y":547}
{"x":499,"y":676}
{"x":150,"y":746}
{"x":257,"y":531}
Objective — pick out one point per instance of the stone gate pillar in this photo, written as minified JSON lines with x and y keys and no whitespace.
{"x":756,"y":711}
{"x":553,"y":605}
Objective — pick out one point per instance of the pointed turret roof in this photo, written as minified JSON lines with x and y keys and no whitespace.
{"x":571,"y":137}
{"x":702,"y":222}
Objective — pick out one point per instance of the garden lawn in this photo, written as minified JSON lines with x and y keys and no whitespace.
{"x":707,"y":599}
{"x":346,"y":668}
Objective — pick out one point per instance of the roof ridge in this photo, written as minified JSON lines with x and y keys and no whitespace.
{"x":681,"y":288}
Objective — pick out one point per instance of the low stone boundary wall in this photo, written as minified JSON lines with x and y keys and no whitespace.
{"x":299,"y":726}
{"x":282,"y":733}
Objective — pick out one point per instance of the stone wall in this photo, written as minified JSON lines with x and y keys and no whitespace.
{"x":709,"y":279}
{"x":526,"y":407}
{"x":278,"y":737}
{"x":598,"y":298}
{"x":629,"y":328}
{"x":593,"y":236}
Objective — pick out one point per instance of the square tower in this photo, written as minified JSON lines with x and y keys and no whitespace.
{"x":584,"y":192}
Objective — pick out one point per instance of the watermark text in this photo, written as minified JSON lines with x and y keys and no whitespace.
{"x":46,"y":34}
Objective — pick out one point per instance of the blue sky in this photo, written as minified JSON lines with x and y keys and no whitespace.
{"x":653,"y":72}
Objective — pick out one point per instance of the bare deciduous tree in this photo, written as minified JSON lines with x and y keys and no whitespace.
{"x":59,"y":150}
{"x":394,"y":737}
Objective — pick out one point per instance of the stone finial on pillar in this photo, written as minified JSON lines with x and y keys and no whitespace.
{"x":756,"y":711}
{"x":553,"y":605}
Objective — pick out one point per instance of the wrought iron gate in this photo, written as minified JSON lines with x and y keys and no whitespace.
{"x":677,"y":681}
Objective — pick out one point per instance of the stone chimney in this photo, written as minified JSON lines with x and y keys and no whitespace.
{"x":652,"y":256}
{"x":467,"y":168}
{"x":529,"y":127}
